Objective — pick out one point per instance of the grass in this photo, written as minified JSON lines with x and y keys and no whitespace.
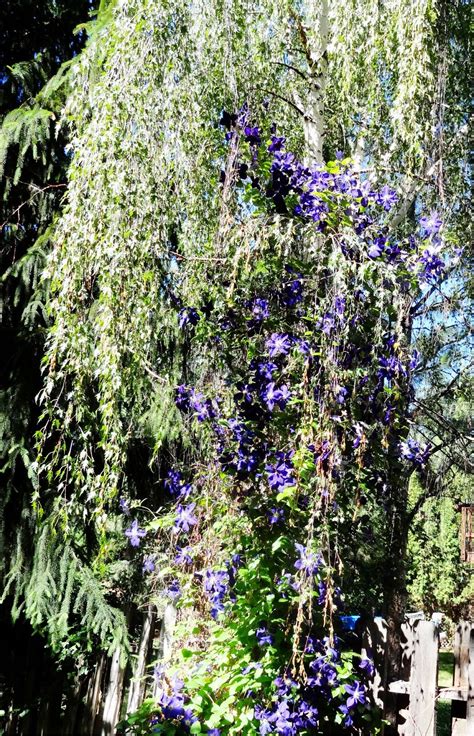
{"x":445,"y":669}
{"x":445,"y":679}
{"x":443,"y":718}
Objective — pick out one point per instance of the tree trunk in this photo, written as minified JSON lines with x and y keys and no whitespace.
{"x":395,"y":596}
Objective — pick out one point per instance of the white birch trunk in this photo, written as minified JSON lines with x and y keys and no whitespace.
{"x":312,"y":104}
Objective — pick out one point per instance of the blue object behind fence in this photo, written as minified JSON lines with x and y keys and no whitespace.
{"x":349,"y":622}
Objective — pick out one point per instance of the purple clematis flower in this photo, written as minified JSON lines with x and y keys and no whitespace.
{"x":263,"y":636}
{"x":260,"y":309}
{"x":277,"y":143}
{"x":134,"y":534}
{"x":185,"y":518}
{"x":387,"y":198}
{"x":183,"y":556}
{"x":356,"y":695}
{"x":149,"y":563}
{"x":367,"y":666}
{"x":188,"y":316}
{"x":173,"y":591}
{"x":308,"y":562}
{"x":280,"y":475}
{"x":278,"y":344}
{"x":252,"y":135}
{"x":124,"y":506}
{"x":431,"y":224}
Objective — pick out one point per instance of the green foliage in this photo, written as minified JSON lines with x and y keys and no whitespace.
{"x":437,"y":579}
{"x":131,"y":122}
{"x":54,"y":588}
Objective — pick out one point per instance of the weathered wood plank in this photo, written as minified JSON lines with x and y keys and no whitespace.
{"x":461,"y":654}
{"x":452,"y":693}
{"x":137,"y":684}
{"x":402,"y":687}
{"x":421,"y":717}
{"x":470,"y":683}
{"x":113,"y":696}
{"x":374,"y":639}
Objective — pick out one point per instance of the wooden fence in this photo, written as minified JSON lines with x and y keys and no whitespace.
{"x":103,"y":696}
{"x":417,"y":693}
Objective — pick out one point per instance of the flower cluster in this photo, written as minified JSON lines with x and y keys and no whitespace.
{"x":316,"y":371}
{"x":172,"y":703}
{"x":411,"y":450}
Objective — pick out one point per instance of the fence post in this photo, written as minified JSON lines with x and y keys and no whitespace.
{"x":137,"y":685}
{"x":421,"y":716}
{"x":470,"y":684}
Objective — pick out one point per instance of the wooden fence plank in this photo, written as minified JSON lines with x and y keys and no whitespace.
{"x":470,"y":684}
{"x":137,"y":684}
{"x":461,"y":654}
{"x":113,"y":696}
{"x":374,"y":638}
{"x":421,"y":716}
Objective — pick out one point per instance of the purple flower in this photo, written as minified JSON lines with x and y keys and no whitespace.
{"x":134,"y":534}
{"x":341,"y":394}
{"x":308,"y":562}
{"x":275,"y":515}
{"x":326,"y":323}
{"x":204,"y":408}
{"x":176,"y":486}
{"x":377,"y":247}
{"x":387,"y":198}
{"x":432,"y":265}
{"x":284,"y":162}
{"x":182,"y":556}
{"x":347,"y":720}
{"x":277,"y":143}
{"x":303,"y":346}
{"x":265,"y":369}
{"x":216,"y":585}
{"x":252,"y":135}
{"x":265,"y":717}
{"x":124,"y":506}
{"x":340,"y":305}
{"x":185,"y":518}
{"x":359,"y":434}
{"x":292,"y":293}
{"x":173,"y":590}
{"x":182,"y":397}
{"x":149,"y":563}
{"x":260,"y":309}
{"x":356,"y":693}
{"x":414,"y":360}
{"x":280,"y":475}
{"x":367,"y":666}
{"x":411,"y":450}
{"x":309,"y":713}
{"x":188,"y":316}
{"x":214,"y":732}
{"x":263,"y":636}
{"x":278,"y":344}
{"x":273,"y":395}
{"x":431,"y":224}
